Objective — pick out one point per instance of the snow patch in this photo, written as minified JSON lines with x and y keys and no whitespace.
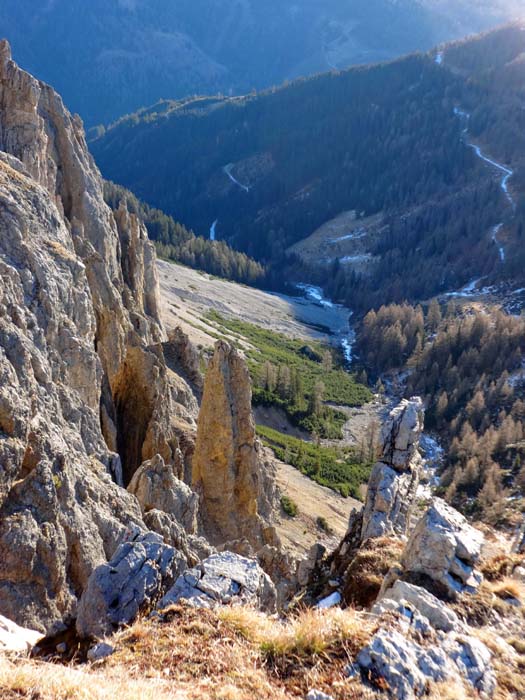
{"x":468,"y":290}
{"x":213,"y":229}
{"x":433,"y":456}
{"x":501,"y":249}
{"x":354,"y":236}
{"x":315,"y":294}
{"x":348,"y":259}
{"x":330,"y":601}
{"x":347,"y":337}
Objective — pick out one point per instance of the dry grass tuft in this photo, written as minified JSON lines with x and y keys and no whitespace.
{"x":509,"y":588}
{"x":309,"y":650}
{"x":478,"y":609}
{"x":508,"y":666}
{"x":367,"y":570}
{"x":500,"y":566}
{"x":33,"y":680}
{"x":450,"y":690}
{"x":233,"y":654}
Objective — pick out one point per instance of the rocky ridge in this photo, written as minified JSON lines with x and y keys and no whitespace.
{"x":94,"y":397}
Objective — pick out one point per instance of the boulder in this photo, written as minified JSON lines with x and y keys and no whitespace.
{"x":222,"y":579}
{"x":307,"y":566}
{"x":407,"y":665}
{"x":410,"y":597}
{"x":139,"y":573}
{"x":395,"y":477}
{"x":157,"y":488}
{"x":100,"y":651}
{"x":445,"y":549}
{"x":16,"y":639}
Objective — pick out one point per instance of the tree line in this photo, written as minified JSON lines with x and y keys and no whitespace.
{"x":469,"y":366}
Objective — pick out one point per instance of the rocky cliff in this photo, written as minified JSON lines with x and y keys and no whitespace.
{"x":86,"y":396}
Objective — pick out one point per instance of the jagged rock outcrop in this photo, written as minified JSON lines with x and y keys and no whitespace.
{"x":392,"y":489}
{"x":444,"y":549}
{"x":409,"y":658}
{"x":403,"y":596}
{"x":428,"y":641}
{"x":81,"y":363}
{"x":141,"y":570}
{"x":156,"y":487}
{"x":229,"y":472}
{"x":394,"y":480}
{"x":226,"y":579}
{"x":183,"y":356}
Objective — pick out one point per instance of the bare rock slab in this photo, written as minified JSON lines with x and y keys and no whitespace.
{"x":223,"y":579}
{"x":138,"y":574}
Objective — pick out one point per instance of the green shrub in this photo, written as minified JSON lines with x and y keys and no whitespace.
{"x":336,"y":468}
{"x":322,"y":524}
{"x":289,"y":506}
{"x":306,"y":371}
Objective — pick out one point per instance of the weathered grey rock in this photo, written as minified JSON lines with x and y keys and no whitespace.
{"x":16,"y":639}
{"x":82,"y":374}
{"x":407,"y":666}
{"x":473,"y":659}
{"x":407,"y":596}
{"x":156,"y":487}
{"x":228,"y":463}
{"x":100,"y":651}
{"x":222,"y":579}
{"x":394,"y":480}
{"x":445,"y":548}
{"x":307,"y":566}
{"x":408,"y":617}
{"x":141,"y":570}
{"x":519,"y":543}
{"x":401,"y":433}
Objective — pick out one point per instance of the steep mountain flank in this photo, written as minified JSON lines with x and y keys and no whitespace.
{"x":81,"y":360}
{"x":405,"y":178}
{"x":109,"y":57}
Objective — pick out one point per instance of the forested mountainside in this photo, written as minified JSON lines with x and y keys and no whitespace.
{"x":173,"y":241}
{"x":396,"y":140}
{"x":109,"y":57}
{"x":468,"y":364}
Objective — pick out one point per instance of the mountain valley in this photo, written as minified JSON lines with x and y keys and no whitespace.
{"x":262,"y":397}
